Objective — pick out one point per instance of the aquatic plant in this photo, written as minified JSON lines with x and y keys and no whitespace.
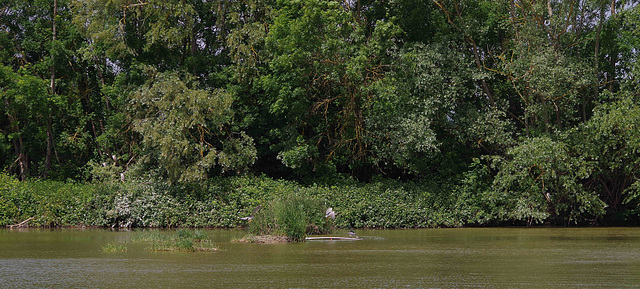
{"x":182,"y":240}
{"x":294,"y":215}
{"x":114,"y":248}
{"x":195,"y":235}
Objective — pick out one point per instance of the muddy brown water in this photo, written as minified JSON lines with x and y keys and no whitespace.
{"x":425,"y":258}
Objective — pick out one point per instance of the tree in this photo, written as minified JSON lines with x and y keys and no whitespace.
{"x":186,"y":130}
{"x":125,"y":38}
{"x":25,"y":103}
{"x":40,"y":42}
{"x":610,"y":143}
{"x":540,"y":180}
{"x":415,"y":106}
{"x":322,"y":67}
{"x":628,"y":41}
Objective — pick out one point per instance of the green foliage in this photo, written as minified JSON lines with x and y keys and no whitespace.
{"x":124,"y":29}
{"x":183,"y":240}
{"x":415,"y":102}
{"x":547,"y":101}
{"x":14,"y":201}
{"x":142,"y":205}
{"x":183,"y":128}
{"x":628,"y":35}
{"x":320,"y":85}
{"x":610,"y":142}
{"x":49,"y":203}
{"x":540,"y":180}
{"x":26,"y":105}
{"x":290,"y":215}
{"x":474,"y":191}
{"x":391,"y":204}
{"x":293,"y":210}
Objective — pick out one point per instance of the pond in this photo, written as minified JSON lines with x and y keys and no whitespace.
{"x":425,"y":258}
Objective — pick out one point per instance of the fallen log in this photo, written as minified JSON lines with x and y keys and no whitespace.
{"x":331,"y":239}
{"x":21,"y":224}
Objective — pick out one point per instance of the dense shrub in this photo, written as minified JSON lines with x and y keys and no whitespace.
{"x":298,"y":210}
{"x":295,"y":210}
{"x":389,"y":204}
{"x":14,"y":202}
{"x":540,"y":180}
{"x":49,"y":203}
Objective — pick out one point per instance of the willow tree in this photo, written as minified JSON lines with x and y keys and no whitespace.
{"x":187,"y":131}
{"x":159,"y":55}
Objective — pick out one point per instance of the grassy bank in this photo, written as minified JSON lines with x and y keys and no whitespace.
{"x":218,"y":203}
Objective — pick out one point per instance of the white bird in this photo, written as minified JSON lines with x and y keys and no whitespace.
{"x":252,"y":214}
{"x":330,"y":214}
{"x":352,"y":234}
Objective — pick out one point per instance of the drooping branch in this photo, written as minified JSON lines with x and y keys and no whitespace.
{"x":139,"y":4}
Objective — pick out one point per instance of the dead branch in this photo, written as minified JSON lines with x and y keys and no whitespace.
{"x":21,"y":224}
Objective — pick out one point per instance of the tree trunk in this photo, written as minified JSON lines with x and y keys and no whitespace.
{"x":613,"y":7}
{"x":613,"y":56}
{"x":47,"y":161}
{"x":18,"y":144}
{"x":596,"y":55}
{"x":485,"y":86}
{"x":53,"y":40}
{"x":102,"y":82}
{"x":596,"y":64}
{"x":49,"y":153}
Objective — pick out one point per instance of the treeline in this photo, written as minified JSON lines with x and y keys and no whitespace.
{"x":523,"y":111}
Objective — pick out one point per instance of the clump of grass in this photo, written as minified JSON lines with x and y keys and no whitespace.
{"x":294,"y":216}
{"x":196,"y":236}
{"x":114,"y":248}
{"x":144,"y":237}
{"x":182,"y":240}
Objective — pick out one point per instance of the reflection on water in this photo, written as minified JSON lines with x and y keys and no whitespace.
{"x":432,"y":258}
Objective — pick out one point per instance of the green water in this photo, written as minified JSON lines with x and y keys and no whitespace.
{"x":429,"y":258}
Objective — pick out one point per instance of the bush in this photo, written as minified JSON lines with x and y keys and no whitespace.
{"x":221,"y":202}
{"x":610,"y":144}
{"x":390,"y":204}
{"x":50,"y":203}
{"x":288,"y":208}
{"x":540,"y":181}
{"x":14,"y":201}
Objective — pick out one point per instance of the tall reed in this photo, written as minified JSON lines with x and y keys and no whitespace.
{"x":294,"y":215}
